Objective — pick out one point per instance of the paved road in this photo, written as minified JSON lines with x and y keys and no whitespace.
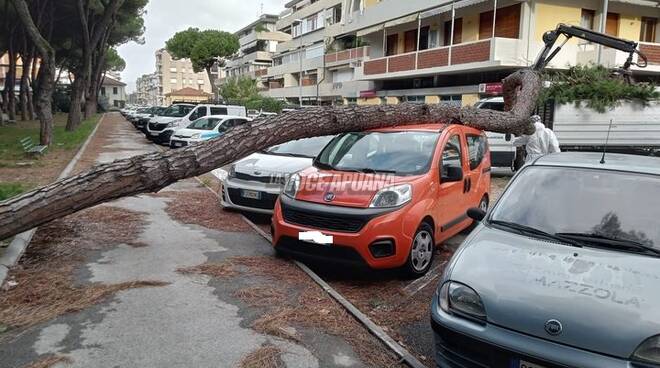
{"x":193,"y":321}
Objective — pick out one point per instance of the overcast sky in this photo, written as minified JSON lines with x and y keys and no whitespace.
{"x":166,"y":17}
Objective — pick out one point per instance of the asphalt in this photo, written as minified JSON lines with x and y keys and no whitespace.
{"x":190,"y":322}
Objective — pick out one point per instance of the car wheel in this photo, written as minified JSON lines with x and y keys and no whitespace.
{"x":421,"y":253}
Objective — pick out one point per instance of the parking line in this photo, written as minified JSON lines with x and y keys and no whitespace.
{"x":419,"y":284}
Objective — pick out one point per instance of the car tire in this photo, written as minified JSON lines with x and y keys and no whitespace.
{"x":422,"y":251}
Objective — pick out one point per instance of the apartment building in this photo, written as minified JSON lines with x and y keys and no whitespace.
{"x":312,"y":67}
{"x":391,"y":51}
{"x":147,"y":89}
{"x":175,"y":75}
{"x":258,"y":42}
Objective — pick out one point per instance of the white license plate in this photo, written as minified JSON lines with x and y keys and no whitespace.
{"x":251,"y":194}
{"x":524,"y":364}
{"x":154,"y":133}
{"x":177,"y":144}
{"x":315,"y":237}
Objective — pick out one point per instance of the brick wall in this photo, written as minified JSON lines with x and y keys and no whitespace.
{"x":402,"y":63}
{"x":433,"y":58}
{"x":473,"y":52}
{"x":652,"y":52}
{"x":378,"y":66}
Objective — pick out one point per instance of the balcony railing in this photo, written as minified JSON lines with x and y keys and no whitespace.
{"x":464,"y":53}
{"x":652,"y":51}
{"x":346,"y":56}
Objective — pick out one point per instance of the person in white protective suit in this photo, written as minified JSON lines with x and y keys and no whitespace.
{"x":541,"y":143}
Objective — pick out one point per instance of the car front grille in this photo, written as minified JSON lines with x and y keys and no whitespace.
{"x":267,"y":201}
{"x":268,"y":179}
{"x":322,"y":221}
{"x":456,"y":350}
{"x":157,"y":126}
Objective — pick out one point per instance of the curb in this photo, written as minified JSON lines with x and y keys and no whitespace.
{"x":15,"y":250}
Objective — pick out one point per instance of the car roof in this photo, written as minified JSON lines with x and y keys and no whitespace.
{"x":226,"y":117}
{"x":613,"y":161}
{"x":438,"y":127}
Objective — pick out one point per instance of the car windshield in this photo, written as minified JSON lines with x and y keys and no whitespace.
{"x":204,"y":124}
{"x":177,"y":111}
{"x":585,"y":204}
{"x":308,"y":147}
{"x":401,"y":152}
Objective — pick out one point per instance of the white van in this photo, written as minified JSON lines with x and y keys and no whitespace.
{"x":179,"y":116}
{"x":502,"y":150}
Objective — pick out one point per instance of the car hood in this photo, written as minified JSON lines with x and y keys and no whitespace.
{"x":347,"y":188}
{"x":163,"y":119}
{"x":606,"y":301}
{"x":260,"y":164}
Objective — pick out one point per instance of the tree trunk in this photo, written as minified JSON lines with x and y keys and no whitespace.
{"x":44,"y":97}
{"x":214,"y":87}
{"x":75,"y":114}
{"x":25,"y":87}
{"x":152,"y":172}
{"x":10,"y":83}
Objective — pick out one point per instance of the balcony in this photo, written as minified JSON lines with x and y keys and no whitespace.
{"x":346,"y":56}
{"x":325,"y":89}
{"x":477,"y":54}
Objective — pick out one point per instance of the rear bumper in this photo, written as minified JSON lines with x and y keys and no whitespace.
{"x":461,"y":343}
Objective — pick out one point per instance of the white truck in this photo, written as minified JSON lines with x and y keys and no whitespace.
{"x":635,"y":129}
{"x":160,"y":129}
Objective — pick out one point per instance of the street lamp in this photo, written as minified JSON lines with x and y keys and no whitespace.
{"x":300,"y":57}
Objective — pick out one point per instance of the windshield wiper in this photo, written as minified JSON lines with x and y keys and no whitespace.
{"x":374,"y":171}
{"x":322,"y":166}
{"x":288,"y":154}
{"x":524,"y":229}
{"x":611,"y":241}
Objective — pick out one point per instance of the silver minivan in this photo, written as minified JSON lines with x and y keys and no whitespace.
{"x":564,"y":271}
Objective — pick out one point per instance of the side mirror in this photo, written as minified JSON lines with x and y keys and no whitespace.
{"x":451,"y":174}
{"x":507,"y":137}
{"x":477,"y":214}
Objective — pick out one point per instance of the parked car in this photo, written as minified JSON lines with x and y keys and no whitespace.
{"x":205,"y":128}
{"x":142,"y":122}
{"x":562,"y":272}
{"x":502,"y":150}
{"x":160,"y":130}
{"x":254,"y":183}
{"x":387,"y":196}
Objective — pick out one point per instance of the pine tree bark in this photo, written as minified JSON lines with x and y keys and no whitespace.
{"x":152,"y":172}
{"x":10,"y":80}
{"x":25,"y":86}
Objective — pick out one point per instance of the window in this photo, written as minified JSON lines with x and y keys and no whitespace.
{"x":102,"y":91}
{"x":587,"y":18}
{"x":648,"y":32}
{"x":173,"y":80}
{"x":314,"y":52}
{"x":507,"y":23}
{"x":424,"y":38}
{"x":114,"y":90}
{"x":458,"y":31}
{"x":410,"y":41}
{"x":477,"y":147}
{"x":392,"y":44}
{"x":612,"y":24}
{"x":451,"y":154}
{"x":434,"y":39}
{"x":333,"y":15}
{"x":218,"y":111}
{"x":416,"y":99}
{"x":173,"y":69}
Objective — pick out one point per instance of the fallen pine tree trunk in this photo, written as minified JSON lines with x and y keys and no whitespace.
{"x":152,"y":172}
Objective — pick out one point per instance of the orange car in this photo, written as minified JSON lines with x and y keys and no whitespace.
{"x":384,"y":197}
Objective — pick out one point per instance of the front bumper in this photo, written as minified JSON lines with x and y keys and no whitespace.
{"x":232,"y":195}
{"x":460,"y":343}
{"x":162,"y":137}
{"x":354,"y":232}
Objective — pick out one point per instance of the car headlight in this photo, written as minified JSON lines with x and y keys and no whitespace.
{"x":173,"y":123}
{"x":231,"y":173}
{"x":292,"y":185}
{"x":392,"y":196}
{"x":196,"y":136}
{"x":648,"y":351}
{"x":456,"y":297}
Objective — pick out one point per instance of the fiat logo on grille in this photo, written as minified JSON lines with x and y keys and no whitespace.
{"x":329,"y":197}
{"x":553,"y":327}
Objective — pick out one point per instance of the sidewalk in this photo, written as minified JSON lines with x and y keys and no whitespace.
{"x":168,"y":280}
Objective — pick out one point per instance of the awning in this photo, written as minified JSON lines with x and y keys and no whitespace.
{"x":402,"y":20}
{"x":447,"y":7}
{"x":372,"y":29}
{"x":368,"y":93}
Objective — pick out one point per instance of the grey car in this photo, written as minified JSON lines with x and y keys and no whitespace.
{"x":564,"y":271}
